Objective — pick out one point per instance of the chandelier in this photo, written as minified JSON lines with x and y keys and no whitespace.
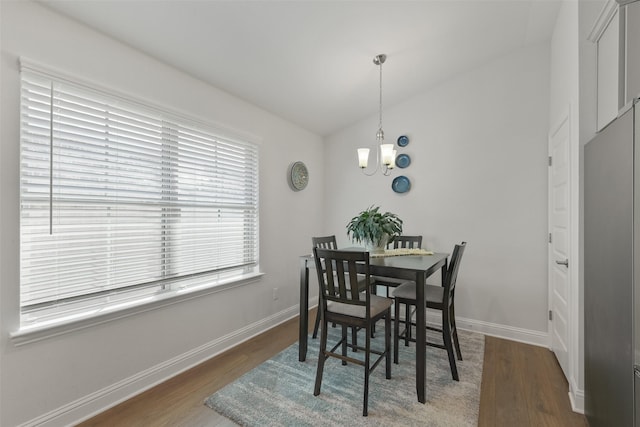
{"x":385,"y":154}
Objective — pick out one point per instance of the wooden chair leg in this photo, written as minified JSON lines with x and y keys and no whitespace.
{"x":345,"y":342}
{"x":407,"y":323}
{"x":387,"y":343}
{"x":354,"y":335}
{"x":317,"y":324}
{"x":367,"y":364}
{"x":396,"y":331}
{"x":456,"y":343}
{"x":454,"y":330}
{"x":446,"y":336}
{"x":321,"y":358}
{"x":374,"y":291}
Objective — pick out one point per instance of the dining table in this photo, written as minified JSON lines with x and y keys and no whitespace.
{"x":408,"y":267}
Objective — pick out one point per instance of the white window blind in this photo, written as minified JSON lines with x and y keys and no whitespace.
{"x":120,"y":200}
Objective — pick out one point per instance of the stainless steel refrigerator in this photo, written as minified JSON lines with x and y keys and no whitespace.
{"x":612,"y":267}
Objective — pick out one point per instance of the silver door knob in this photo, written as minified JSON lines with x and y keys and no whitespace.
{"x":565,"y":262}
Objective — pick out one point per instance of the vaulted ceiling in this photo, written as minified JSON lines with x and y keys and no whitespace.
{"x":311,"y":62}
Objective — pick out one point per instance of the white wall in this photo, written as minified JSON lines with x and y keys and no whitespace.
{"x":478,"y":145}
{"x":81,"y":372}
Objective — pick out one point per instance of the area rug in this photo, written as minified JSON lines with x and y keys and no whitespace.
{"x":279,"y":392}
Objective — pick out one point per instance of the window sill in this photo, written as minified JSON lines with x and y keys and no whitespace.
{"x":40,"y":331}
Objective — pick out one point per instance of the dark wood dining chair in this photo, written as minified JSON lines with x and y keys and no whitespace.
{"x":438,"y":298}
{"x":408,"y":242}
{"x":329,"y":242}
{"x":359,"y":310}
{"x":324,"y":242}
{"x":403,"y":241}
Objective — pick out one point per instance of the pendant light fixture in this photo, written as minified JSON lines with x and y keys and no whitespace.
{"x":385,"y":154}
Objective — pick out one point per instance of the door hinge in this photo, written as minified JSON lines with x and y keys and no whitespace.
{"x":550,"y":161}
{"x":550,"y":238}
{"x":550,"y":315}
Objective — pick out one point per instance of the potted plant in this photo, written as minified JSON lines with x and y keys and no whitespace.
{"x":374,"y":229}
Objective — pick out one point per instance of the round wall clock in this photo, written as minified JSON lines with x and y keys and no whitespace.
{"x":298,"y":176}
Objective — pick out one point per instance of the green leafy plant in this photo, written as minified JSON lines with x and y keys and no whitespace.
{"x":372,"y":226}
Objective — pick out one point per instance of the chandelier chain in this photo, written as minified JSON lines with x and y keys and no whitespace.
{"x":380,"y":121}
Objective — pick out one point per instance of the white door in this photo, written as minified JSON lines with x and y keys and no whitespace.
{"x":559,"y":238}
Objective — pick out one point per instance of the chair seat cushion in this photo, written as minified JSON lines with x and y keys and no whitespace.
{"x":433,"y":294}
{"x":378,"y":305}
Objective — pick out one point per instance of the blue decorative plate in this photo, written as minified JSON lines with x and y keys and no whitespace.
{"x":403,"y":141}
{"x":403,"y":160}
{"x":401,"y":184}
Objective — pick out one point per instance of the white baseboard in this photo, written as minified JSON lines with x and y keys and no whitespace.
{"x":576,"y":396}
{"x":526,"y":336}
{"x":101,"y":400}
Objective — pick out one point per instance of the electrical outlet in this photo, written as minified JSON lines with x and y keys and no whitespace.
{"x":275,"y":294}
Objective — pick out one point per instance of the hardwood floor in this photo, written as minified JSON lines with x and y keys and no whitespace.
{"x":522,"y":385}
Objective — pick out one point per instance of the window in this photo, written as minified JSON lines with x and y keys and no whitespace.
{"x":121,"y":201}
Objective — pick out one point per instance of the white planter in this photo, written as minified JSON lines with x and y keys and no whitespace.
{"x":376,"y":248}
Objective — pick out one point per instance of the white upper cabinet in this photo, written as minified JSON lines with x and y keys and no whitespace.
{"x":631,"y":12}
{"x":616,"y":34}
{"x":608,"y":80}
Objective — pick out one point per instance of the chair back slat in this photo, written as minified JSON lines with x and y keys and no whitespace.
{"x":406,"y":242}
{"x":341,"y":275}
{"x":326,"y":242}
